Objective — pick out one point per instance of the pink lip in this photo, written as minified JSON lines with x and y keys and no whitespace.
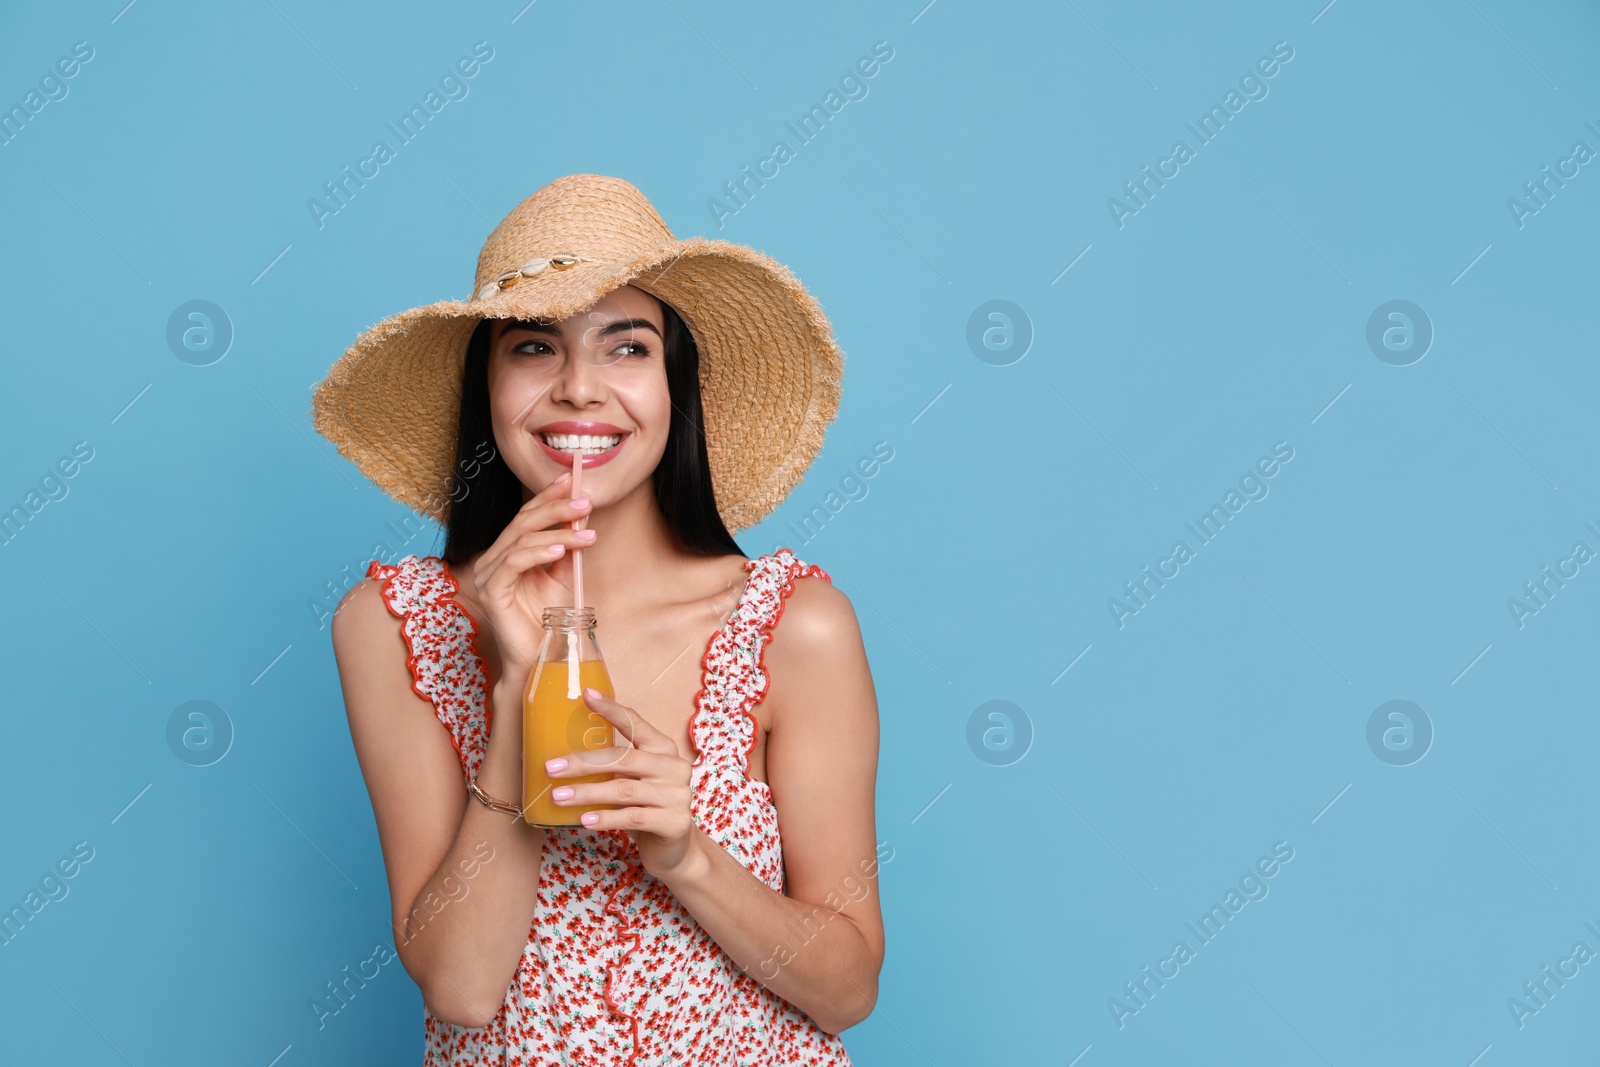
{"x":597,"y":428}
{"x":568,"y":426}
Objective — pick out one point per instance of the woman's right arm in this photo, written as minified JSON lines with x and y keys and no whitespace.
{"x":463,"y":878}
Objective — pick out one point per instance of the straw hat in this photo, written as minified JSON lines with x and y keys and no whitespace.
{"x":769,"y":367}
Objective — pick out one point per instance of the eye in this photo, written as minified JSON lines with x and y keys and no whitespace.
{"x":639,"y":349}
{"x":524,"y":345}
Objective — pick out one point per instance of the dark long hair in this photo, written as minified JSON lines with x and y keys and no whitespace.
{"x":485,"y":494}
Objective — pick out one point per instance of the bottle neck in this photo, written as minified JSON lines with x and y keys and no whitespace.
{"x":569,"y":620}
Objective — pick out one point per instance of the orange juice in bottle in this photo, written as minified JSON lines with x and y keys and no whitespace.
{"x":555,"y":719}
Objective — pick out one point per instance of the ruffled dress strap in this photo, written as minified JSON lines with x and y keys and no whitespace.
{"x":734,"y":677}
{"x":447,"y":668}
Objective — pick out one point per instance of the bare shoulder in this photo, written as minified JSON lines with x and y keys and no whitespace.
{"x":362,"y":614}
{"x":818,"y":621}
{"x":369,"y":648}
{"x":816,"y":658}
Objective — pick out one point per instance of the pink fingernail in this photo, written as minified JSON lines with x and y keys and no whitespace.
{"x":590,"y":818}
{"x":562,"y":793}
{"x":593,"y":694}
{"x":554,"y":765}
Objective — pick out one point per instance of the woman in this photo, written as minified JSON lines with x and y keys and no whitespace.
{"x":722,"y":908}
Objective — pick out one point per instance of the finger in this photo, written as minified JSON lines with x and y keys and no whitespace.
{"x":546,"y":542}
{"x":564,"y":508}
{"x":634,"y":820}
{"x":500,"y":583}
{"x":534,"y":549}
{"x":557,"y":489}
{"x":557,"y":484}
{"x":535,"y":513}
{"x":523,"y":560}
{"x":562,"y":530}
{"x":629,"y":723}
{"x":623,"y":792}
{"x":554,"y":521}
{"x":620,"y":759}
{"x":554,"y":515}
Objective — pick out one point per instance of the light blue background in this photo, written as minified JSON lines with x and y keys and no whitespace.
{"x":1228,"y":314}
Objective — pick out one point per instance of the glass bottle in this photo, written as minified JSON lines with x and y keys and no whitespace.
{"x":556,"y":721}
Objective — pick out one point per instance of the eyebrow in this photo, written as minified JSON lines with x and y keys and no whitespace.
{"x":531,"y":326}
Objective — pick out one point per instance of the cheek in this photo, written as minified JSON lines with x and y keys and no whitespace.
{"x":649,"y":408}
{"x":647,"y":401}
{"x":512,"y":396}
{"x":660,"y":417}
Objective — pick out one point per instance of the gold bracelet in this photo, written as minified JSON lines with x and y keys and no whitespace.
{"x":497,"y":805}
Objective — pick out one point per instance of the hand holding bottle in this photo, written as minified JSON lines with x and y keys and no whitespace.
{"x":648,"y":791}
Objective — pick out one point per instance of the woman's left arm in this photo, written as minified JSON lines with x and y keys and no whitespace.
{"x":820,"y":944}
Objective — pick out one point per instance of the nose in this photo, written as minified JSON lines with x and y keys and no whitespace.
{"x":580,"y":381}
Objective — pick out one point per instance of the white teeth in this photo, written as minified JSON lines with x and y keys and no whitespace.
{"x":587,"y":443}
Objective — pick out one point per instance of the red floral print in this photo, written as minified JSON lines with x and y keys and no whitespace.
{"x":616,"y":971}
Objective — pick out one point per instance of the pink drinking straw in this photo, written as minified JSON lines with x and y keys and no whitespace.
{"x":577,"y":524}
{"x":573,"y":691}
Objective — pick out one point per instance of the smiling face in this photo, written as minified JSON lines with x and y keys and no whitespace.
{"x":595,"y":382}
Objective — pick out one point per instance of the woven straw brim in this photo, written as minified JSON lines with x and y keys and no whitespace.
{"x":770,"y":373}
